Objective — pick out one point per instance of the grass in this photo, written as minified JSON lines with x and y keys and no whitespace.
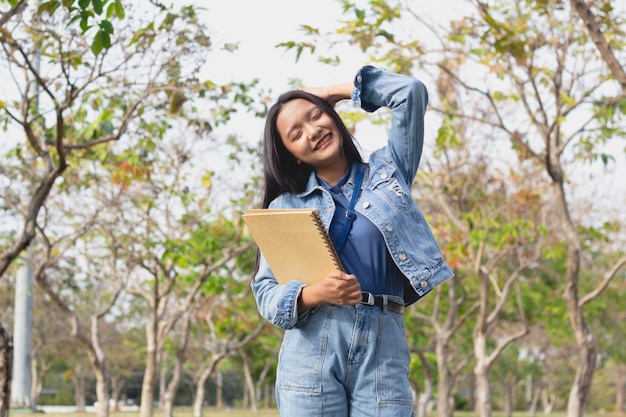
{"x":178,"y":412}
{"x":238,"y":412}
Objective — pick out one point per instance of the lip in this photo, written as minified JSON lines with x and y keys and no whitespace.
{"x":323,"y":142}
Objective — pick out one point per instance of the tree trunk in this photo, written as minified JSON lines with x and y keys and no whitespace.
{"x":481,"y":368}
{"x":117,"y":384}
{"x":37,"y":378}
{"x":483,"y":392}
{"x":547,"y":400}
{"x":162,"y":377}
{"x":472,"y":392}
{"x":245,"y":402}
{"x":481,"y":373}
{"x":78,"y":380}
{"x":219,"y":395}
{"x":34,"y":383}
{"x":444,"y":384}
{"x":99,"y":366}
{"x":198,"y":401}
{"x":584,"y":375}
{"x":102,"y":391}
{"x":532,"y":409}
{"x":261,"y":387}
{"x":249,"y":383}
{"x":200,"y":389}
{"x":267,"y":397}
{"x":6,"y":370}
{"x":620,"y":388}
{"x":147,"y":387}
{"x":91,"y":345}
{"x":425,"y":397}
{"x":509,"y":396}
{"x":169,"y":394}
{"x":584,"y":338}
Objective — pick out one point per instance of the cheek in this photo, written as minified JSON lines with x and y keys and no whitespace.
{"x":294,"y":149}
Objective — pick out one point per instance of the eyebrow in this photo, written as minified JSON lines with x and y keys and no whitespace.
{"x":308,"y":114}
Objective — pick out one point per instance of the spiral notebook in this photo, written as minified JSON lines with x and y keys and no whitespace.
{"x":294,"y":242}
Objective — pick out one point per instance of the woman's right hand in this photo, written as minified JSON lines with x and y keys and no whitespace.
{"x":336,"y":288}
{"x":332,"y":93}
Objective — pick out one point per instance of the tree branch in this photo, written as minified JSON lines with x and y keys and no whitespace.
{"x":605,"y":283}
{"x":598,"y":39}
{"x":5,"y":17}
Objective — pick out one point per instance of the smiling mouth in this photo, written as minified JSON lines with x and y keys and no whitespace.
{"x":322,"y":142}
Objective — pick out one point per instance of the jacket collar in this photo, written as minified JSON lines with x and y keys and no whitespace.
{"x":312,"y":183}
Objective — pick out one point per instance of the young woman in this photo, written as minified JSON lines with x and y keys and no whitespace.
{"x":344,"y":352}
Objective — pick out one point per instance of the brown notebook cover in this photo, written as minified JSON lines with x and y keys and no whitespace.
{"x":294,"y":242}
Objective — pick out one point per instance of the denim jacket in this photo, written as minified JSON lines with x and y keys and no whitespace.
{"x":385,"y":198}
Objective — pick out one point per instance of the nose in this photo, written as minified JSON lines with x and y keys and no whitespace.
{"x":312,"y":131}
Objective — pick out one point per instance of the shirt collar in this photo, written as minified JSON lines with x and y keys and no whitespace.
{"x":337,"y":187}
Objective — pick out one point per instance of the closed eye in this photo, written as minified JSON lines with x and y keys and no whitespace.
{"x":316,"y":115}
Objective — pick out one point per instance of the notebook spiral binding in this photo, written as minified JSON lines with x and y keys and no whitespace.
{"x":327,"y":241}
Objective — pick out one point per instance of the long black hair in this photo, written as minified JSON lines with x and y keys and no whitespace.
{"x":281,"y":171}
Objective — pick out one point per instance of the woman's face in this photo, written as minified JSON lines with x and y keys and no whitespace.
{"x":312,"y":137}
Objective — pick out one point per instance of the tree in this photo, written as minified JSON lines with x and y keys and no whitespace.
{"x":6,"y":369}
{"x":50,"y":334}
{"x":561,"y":99}
{"x":449,"y":312}
{"x":24,"y":42}
{"x":85,"y":14}
{"x":224,"y":326}
{"x":79,"y":97}
{"x":169,"y":393}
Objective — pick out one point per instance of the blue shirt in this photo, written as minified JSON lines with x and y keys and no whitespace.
{"x":364,"y":253}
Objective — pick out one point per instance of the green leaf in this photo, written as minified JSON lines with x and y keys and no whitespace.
{"x":106,"y":26}
{"x":84,"y":21}
{"x":48,"y":7}
{"x":110,"y":11}
{"x":97,"y":44}
{"x":97,"y":6}
{"x":119,"y":9}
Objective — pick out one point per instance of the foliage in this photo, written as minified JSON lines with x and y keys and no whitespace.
{"x":131,"y":211}
{"x":92,"y":17}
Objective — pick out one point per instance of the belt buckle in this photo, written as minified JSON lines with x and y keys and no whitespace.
{"x":367,"y":298}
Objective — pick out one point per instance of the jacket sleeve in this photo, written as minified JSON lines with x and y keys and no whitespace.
{"x":277,"y":303}
{"x":407,"y":98}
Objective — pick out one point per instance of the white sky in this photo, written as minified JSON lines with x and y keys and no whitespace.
{"x":258,"y":26}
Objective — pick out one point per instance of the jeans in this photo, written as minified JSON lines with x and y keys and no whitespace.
{"x":345,"y":361}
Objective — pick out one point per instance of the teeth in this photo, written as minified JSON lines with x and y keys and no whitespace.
{"x":321,"y":143}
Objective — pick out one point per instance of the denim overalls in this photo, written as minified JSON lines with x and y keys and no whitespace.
{"x":354,"y":360}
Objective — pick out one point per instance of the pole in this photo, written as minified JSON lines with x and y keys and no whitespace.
{"x":22,"y":338}
{"x":23,"y":320}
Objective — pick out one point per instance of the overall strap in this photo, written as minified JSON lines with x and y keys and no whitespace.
{"x":350,"y":214}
